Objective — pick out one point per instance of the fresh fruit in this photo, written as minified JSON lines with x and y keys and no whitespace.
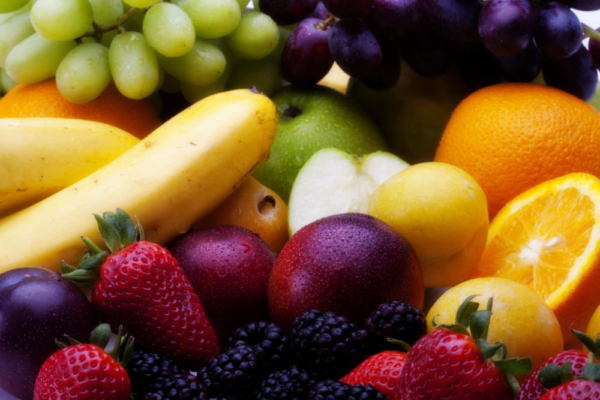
{"x":381,"y":370}
{"x":574,"y":390}
{"x":442,"y":212}
{"x":510,"y":137}
{"x":255,"y":207}
{"x":331,"y":389}
{"x":175,"y":176}
{"x":395,"y":320}
{"x":268,"y":340}
{"x":347,"y":187}
{"x":593,"y":326}
{"x":521,"y":319}
{"x":44,"y":155}
{"x":457,"y":360}
{"x":37,"y":307}
{"x":544,"y":239}
{"x":292,"y":383}
{"x":327,"y":343}
{"x":310,"y":120}
{"x":137,"y":117}
{"x":140,"y":285}
{"x":345,"y":263}
{"x":83,"y":369}
{"x":412,"y":115}
{"x":229,"y":269}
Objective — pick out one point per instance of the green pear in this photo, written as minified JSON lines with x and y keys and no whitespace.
{"x":311,"y":119}
{"x":345,"y":187}
{"x":413,"y":114}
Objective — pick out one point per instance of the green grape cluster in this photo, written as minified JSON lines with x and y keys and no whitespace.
{"x":197,"y":47}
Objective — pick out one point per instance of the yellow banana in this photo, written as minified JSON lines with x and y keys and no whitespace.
{"x":173,"y":177}
{"x":40,"y":156}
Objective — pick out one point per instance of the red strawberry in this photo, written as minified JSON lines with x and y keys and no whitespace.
{"x":142,"y":287}
{"x":450,"y":363}
{"x":577,"y":389}
{"x":381,"y":370}
{"x":83,"y":372}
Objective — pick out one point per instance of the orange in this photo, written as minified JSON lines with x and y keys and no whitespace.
{"x":512,"y":136}
{"x":43,"y":99}
{"x":548,"y":239}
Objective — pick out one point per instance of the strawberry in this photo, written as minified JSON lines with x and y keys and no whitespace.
{"x":381,"y":370}
{"x":574,"y":390}
{"x":141,"y":286}
{"x":456,"y":362}
{"x":85,"y":371}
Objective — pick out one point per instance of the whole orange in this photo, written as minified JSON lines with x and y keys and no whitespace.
{"x":43,"y":99}
{"x":512,"y":136}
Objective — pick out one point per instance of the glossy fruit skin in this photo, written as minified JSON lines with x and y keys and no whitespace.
{"x":381,"y":370}
{"x":574,"y":390}
{"x":37,"y":306}
{"x":229,"y":269}
{"x":345,"y":263}
{"x":82,"y":371}
{"x":143,"y":288}
{"x":448,"y":365}
{"x":532,"y":389}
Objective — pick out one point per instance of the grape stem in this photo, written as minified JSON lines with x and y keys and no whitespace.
{"x":100,"y":30}
{"x":591,"y":32}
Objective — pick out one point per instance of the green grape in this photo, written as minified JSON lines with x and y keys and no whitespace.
{"x":133,"y":65}
{"x":14,"y":30}
{"x":6,"y":82}
{"x":83,"y":74}
{"x":194,"y":93}
{"x":136,"y":21}
{"x":212,"y":18}
{"x":141,"y":3}
{"x":284,"y":34}
{"x":62,"y":19}
{"x":108,"y":37}
{"x":106,"y":12}
{"x":243,"y":3}
{"x":169,"y":30}
{"x":263,"y":74}
{"x":36,"y":58}
{"x":255,"y":4}
{"x":255,"y":37}
{"x":7,"y":6}
{"x":202,"y":65}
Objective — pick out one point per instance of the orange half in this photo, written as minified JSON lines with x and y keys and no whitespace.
{"x":548,"y":238}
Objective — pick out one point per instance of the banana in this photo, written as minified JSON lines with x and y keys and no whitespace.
{"x":40,"y":156}
{"x":172,"y":178}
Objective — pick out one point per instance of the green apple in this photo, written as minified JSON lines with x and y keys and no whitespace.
{"x":311,"y":119}
{"x":413,"y":114}
{"x":346,"y":187}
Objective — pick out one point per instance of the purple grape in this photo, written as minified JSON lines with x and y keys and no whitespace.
{"x":506,"y":26}
{"x":389,"y":71}
{"x":558,"y":32}
{"x":478,"y":68}
{"x":306,"y":58}
{"x":286,"y":12}
{"x":37,"y":306}
{"x":523,"y":67}
{"x":426,"y":52}
{"x":320,"y":12}
{"x":454,"y":20}
{"x":576,"y":74}
{"x":394,"y":17}
{"x":584,"y":5}
{"x":349,"y":9}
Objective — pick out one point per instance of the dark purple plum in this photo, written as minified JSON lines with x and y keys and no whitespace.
{"x":426,"y":52}
{"x":454,"y":20}
{"x":286,"y":12}
{"x":306,"y":57}
{"x":523,"y":67}
{"x":558,"y":31}
{"x":349,"y":9}
{"x":320,"y":12}
{"x":388,"y":73}
{"x":347,"y":264}
{"x":228,"y":267}
{"x":584,"y":5}
{"x":37,"y":307}
{"x":506,"y":26}
{"x":394,"y":18}
{"x":576,"y":74}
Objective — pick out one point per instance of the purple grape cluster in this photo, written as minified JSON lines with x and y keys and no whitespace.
{"x":491,"y":41}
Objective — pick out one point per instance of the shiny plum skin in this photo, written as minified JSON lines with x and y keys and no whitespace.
{"x":37,"y":307}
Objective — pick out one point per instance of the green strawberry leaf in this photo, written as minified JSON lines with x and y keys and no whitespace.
{"x":591,"y":372}
{"x":550,"y":376}
{"x":100,"y":336}
{"x":586,"y":340}
{"x":466,"y":309}
{"x":456,"y":328}
{"x":488,"y":350}
{"x":514,"y":366}
{"x":123,"y":224}
{"x":402,"y":344}
{"x":480,"y":322}
{"x":109,"y":233}
{"x":513,"y":384}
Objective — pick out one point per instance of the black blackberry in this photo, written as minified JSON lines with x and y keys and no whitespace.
{"x":328,"y":343}
{"x":292,"y":383}
{"x":177,"y":387}
{"x":334,"y":390}
{"x":396,"y":320}
{"x":270,"y":342}
{"x":233,"y":374}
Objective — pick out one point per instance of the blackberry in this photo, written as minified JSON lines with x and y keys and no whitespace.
{"x":396,"y":320}
{"x":233,"y":374}
{"x":334,"y":390}
{"x":292,"y":383}
{"x":269,"y":341}
{"x":327,"y":343}
{"x":177,"y":387}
